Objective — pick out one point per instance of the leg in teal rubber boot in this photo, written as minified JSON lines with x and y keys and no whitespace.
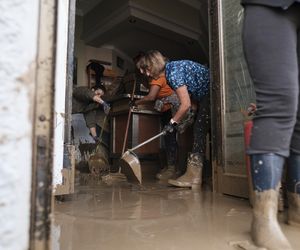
{"x":293,"y":187}
{"x":266,"y":171}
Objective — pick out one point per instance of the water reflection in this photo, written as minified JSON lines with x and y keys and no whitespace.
{"x":152,"y":217}
{"x":119,"y":202}
{"x":95,"y":214}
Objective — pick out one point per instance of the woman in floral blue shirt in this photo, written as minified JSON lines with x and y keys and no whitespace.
{"x":190,"y":80}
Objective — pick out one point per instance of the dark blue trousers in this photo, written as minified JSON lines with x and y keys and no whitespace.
{"x":271,"y":38}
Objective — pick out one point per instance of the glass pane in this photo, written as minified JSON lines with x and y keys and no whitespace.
{"x":239,"y":91}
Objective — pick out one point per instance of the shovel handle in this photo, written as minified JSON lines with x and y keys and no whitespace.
{"x":129,"y":117}
{"x":149,"y":140}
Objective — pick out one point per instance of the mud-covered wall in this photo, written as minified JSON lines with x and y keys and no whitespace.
{"x":18,"y":43}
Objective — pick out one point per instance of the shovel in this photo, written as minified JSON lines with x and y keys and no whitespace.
{"x":131,"y":164}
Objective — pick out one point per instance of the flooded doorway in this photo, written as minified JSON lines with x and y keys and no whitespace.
{"x":126,"y":217}
{"x":112,"y":32}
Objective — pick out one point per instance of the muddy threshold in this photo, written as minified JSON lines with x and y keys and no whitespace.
{"x":156,"y":216}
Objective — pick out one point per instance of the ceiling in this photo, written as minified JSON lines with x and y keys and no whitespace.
{"x":178,"y":28}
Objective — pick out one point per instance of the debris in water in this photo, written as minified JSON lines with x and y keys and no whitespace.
{"x":245,"y":245}
{"x":114,"y":178}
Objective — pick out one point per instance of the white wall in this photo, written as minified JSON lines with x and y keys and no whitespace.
{"x":84,"y":54}
{"x":106,"y":53}
{"x":18,"y":43}
{"x":60,"y":91}
{"x":128,"y":63}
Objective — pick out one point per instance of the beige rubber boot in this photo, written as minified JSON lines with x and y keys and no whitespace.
{"x":265,"y":230}
{"x":168,"y":173}
{"x":192,"y":178}
{"x":294,"y":209}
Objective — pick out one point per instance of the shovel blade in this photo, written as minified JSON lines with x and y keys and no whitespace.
{"x":131,"y":167}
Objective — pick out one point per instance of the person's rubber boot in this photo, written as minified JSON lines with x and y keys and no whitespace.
{"x":266,"y":171}
{"x":168,"y":173}
{"x":161,"y":172}
{"x":192,"y":177}
{"x":293,"y":188}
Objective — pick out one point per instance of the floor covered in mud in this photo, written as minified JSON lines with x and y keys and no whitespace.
{"x":121,"y":216}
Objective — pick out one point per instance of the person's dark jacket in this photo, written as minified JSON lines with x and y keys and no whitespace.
{"x":284,"y":4}
{"x":83,"y":102}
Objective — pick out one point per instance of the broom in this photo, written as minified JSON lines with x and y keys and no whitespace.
{"x":118,"y":176}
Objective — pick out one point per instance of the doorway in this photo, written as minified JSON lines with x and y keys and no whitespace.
{"x":124,"y":216}
{"x":113,"y":32}
{"x":137,"y":20}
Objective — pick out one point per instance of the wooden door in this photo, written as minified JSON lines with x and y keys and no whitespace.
{"x":232,"y":92}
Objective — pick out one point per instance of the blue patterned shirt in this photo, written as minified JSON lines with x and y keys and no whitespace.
{"x":194,"y":75}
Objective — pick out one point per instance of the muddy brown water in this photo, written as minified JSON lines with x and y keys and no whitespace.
{"x":155,"y":217}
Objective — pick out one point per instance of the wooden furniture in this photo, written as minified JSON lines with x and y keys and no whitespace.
{"x":144,"y":123}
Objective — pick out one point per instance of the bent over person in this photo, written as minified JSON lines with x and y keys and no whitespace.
{"x":190,"y":80}
{"x":166,"y":101}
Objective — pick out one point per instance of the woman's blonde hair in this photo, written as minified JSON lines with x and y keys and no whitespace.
{"x":153,"y":61}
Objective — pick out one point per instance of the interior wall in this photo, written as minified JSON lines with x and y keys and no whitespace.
{"x":107,"y":53}
{"x":18,"y":42}
{"x":128,"y":63}
{"x":83,"y":53}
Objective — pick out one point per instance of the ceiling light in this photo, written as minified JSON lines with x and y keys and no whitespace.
{"x":132,"y":20}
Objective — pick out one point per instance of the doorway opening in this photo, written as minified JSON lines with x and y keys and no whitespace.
{"x":112,"y":33}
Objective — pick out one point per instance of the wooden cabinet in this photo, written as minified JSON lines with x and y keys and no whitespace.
{"x":144,"y":123}
{"x":142,"y":127}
